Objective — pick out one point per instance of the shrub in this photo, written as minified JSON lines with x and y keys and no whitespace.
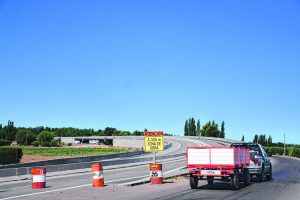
{"x":4,"y":142}
{"x":275,"y":150}
{"x":293,"y":151}
{"x":290,"y":151}
{"x":54,"y":143}
{"x":10,"y":155}
{"x":45,"y":137}
{"x":35,"y":143}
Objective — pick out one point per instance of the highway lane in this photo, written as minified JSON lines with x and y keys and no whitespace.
{"x":285,"y":185}
{"x":112,"y":177}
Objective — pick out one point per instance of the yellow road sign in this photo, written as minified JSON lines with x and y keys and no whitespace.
{"x":154,"y":141}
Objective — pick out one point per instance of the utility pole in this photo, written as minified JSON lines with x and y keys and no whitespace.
{"x":284,"y":144}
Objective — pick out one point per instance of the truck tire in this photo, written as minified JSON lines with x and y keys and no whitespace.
{"x":262,"y":177}
{"x":210,"y":180}
{"x":235,"y":180}
{"x":269,"y":176}
{"x":193,"y":181}
{"x":246,"y":177}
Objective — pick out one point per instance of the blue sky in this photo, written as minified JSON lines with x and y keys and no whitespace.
{"x":152,"y":64}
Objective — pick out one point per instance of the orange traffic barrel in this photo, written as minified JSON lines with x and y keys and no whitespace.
{"x":156,"y":174}
{"x":98,"y":178}
{"x":38,"y":178}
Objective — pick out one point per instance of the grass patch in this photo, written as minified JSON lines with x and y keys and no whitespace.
{"x":69,"y":151}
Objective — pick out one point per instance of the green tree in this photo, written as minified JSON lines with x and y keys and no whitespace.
{"x":109,"y":131}
{"x":243,"y":138}
{"x":2,"y":133}
{"x":186,"y":128}
{"x":262,"y":140}
{"x":255,"y":139}
{"x":213,"y":130}
{"x":99,"y":132}
{"x":204,"y":129}
{"x":210,"y":129}
{"x":24,"y":137}
{"x":138,"y":133}
{"x":269,"y":141}
{"x":222,"y":132}
{"x":10,"y":131}
{"x":36,"y":130}
{"x":192,"y":127}
{"x":45,"y":137}
{"x":125,"y":133}
{"x":198,"y":128}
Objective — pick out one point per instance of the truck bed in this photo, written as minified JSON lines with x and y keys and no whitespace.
{"x":217,"y":157}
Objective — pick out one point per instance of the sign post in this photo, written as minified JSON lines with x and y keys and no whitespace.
{"x":154,"y":142}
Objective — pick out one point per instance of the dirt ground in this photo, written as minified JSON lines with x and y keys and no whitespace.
{"x":30,"y":158}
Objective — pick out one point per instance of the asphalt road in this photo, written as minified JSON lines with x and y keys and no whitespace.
{"x":285,"y":185}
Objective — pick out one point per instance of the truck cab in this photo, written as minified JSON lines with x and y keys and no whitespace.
{"x":260,"y":163}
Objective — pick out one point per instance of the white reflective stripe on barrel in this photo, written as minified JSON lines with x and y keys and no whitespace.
{"x":156,"y":173}
{"x":98,"y":175}
{"x":38,"y":178}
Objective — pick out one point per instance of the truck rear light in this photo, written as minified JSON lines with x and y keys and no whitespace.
{"x":256,"y":161}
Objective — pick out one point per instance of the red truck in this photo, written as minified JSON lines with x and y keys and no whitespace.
{"x":218,"y":161}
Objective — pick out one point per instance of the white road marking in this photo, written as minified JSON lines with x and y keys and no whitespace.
{"x":26,"y":186}
{"x":44,"y":192}
{"x":69,"y":188}
{"x":173,"y":170}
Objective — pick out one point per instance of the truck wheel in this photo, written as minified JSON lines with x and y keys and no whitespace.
{"x":210,"y":180}
{"x":246,"y":177}
{"x":193,"y":181}
{"x":235,"y":180}
{"x":262,"y":177}
{"x":269,"y":176}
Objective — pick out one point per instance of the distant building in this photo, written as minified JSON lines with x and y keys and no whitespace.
{"x":14,"y":143}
